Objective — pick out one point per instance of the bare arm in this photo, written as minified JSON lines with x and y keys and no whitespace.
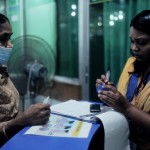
{"x":37,"y":114}
{"x":117,"y":101}
{"x":140,"y":117}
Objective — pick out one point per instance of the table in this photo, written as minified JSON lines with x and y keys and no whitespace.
{"x":113,"y":125}
{"x":20,"y":141}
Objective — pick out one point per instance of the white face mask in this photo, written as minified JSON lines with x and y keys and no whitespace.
{"x":4,"y":54}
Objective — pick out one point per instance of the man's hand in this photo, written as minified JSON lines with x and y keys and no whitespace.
{"x":37,"y":114}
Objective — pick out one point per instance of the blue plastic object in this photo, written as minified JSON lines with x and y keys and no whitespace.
{"x":101,"y":87}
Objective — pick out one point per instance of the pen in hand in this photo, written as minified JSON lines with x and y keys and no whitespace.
{"x":101,"y":87}
{"x":107,"y":75}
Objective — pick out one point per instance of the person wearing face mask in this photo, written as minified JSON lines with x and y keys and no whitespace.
{"x":132,"y":95}
{"x":4,"y":54}
{"x":12,"y":120}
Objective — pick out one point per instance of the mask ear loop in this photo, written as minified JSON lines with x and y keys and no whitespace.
{"x":9,"y":44}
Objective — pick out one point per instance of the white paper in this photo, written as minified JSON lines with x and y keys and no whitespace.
{"x":116,"y":130}
{"x":72,"y":107}
{"x":62,"y":127}
{"x":47,"y":100}
{"x":75,"y":108}
{"x":115,"y":124}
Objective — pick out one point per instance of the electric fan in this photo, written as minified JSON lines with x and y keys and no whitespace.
{"x":31,"y":65}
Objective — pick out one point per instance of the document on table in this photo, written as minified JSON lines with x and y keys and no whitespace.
{"x":115,"y":124}
{"x":72,"y":108}
{"x":68,"y":120}
{"x":78,"y":110}
{"x":75,"y":109}
{"x":62,"y":127}
{"x":116,"y":130}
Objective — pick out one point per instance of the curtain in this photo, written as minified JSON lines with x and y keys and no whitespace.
{"x":116,"y":19}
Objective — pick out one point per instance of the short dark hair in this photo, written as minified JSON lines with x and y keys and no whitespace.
{"x":141,"y":22}
{"x":3,"y":19}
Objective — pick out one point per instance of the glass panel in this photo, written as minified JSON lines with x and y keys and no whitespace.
{"x":14,"y":15}
{"x":2,"y":7}
{"x":96,"y":46}
{"x":109,"y":36}
{"x":116,"y":35}
{"x":117,"y":16}
{"x":67,"y":54}
{"x":40,"y":20}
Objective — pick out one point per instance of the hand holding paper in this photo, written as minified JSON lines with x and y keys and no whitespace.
{"x":47,"y":100}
